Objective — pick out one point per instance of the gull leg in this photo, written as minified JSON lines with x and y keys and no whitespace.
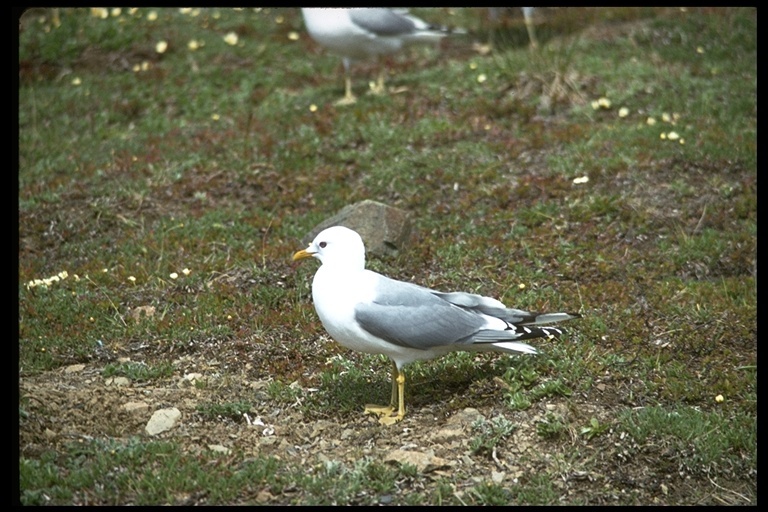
{"x":390,"y":419}
{"x":386,"y":410}
{"x":395,"y":394}
{"x":379,"y":87}
{"x":348,"y":98}
{"x":528,"y":17}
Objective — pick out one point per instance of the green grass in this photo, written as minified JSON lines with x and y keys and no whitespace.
{"x":161,"y":195}
{"x":143,"y":472}
{"x":702,"y":442}
{"x":138,"y":371}
{"x":218,"y":410}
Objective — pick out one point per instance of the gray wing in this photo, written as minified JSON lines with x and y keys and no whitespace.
{"x":383,"y":22}
{"x":411,"y":316}
{"x":493,"y":307}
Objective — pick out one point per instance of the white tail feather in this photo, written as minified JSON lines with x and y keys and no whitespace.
{"x":514,"y":346}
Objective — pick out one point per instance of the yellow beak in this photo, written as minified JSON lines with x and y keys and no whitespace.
{"x":300,"y":255}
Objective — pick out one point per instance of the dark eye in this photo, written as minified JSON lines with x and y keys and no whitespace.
{"x":322,"y":245}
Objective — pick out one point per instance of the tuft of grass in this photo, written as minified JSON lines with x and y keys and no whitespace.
{"x":217,"y":410}
{"x":139,"y":371}
{"x":551,"y":427}
{"x":490,"y":434}
{"x":594,"y":429}
{"x":489,"y":493}
{"x":334,"y":483}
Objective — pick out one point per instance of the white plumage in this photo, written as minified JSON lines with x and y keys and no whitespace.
{"x":368,"y":312}
{"x":361,"y":33}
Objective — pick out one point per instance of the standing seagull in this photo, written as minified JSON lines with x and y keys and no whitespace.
{"x":366,"y":32}
{"x":371,"y":313}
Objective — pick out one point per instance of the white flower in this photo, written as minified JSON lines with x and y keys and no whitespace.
{"x":99,"y":12}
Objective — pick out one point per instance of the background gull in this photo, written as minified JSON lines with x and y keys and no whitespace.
{"x":368,"y":312}
{"x":362,"y":33}
{"x":495,"y":13}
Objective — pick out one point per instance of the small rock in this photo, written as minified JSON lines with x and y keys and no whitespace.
{"x":445,"y":435}
{"x":135,"y":406}
{"x":190,"y":379}
{"x":318,"y":427}
{"x":74,"y":368}
{"x":118,"y":381}
{"x":140,"y":312}
{"x":264,"y":496}
{"x":162,"y":420}
{"x":466,"y":417}
{"x":383,"y":228}
{"x":424,"y":462}
{"x":219,"y":449}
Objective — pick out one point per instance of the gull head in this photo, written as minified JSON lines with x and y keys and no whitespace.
{"x":336,"y":245}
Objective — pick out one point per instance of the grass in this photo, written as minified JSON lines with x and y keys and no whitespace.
{"x":490,"y":433}
{"x":138,"y":371}
{"x":159,"y":473}
{"x":230,"y":410}
{"x":161,"y":193}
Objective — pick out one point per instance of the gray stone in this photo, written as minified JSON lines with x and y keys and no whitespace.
{"x":384,"y":229}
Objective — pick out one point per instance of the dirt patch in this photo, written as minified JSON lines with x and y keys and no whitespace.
{"x":77,"y":404}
